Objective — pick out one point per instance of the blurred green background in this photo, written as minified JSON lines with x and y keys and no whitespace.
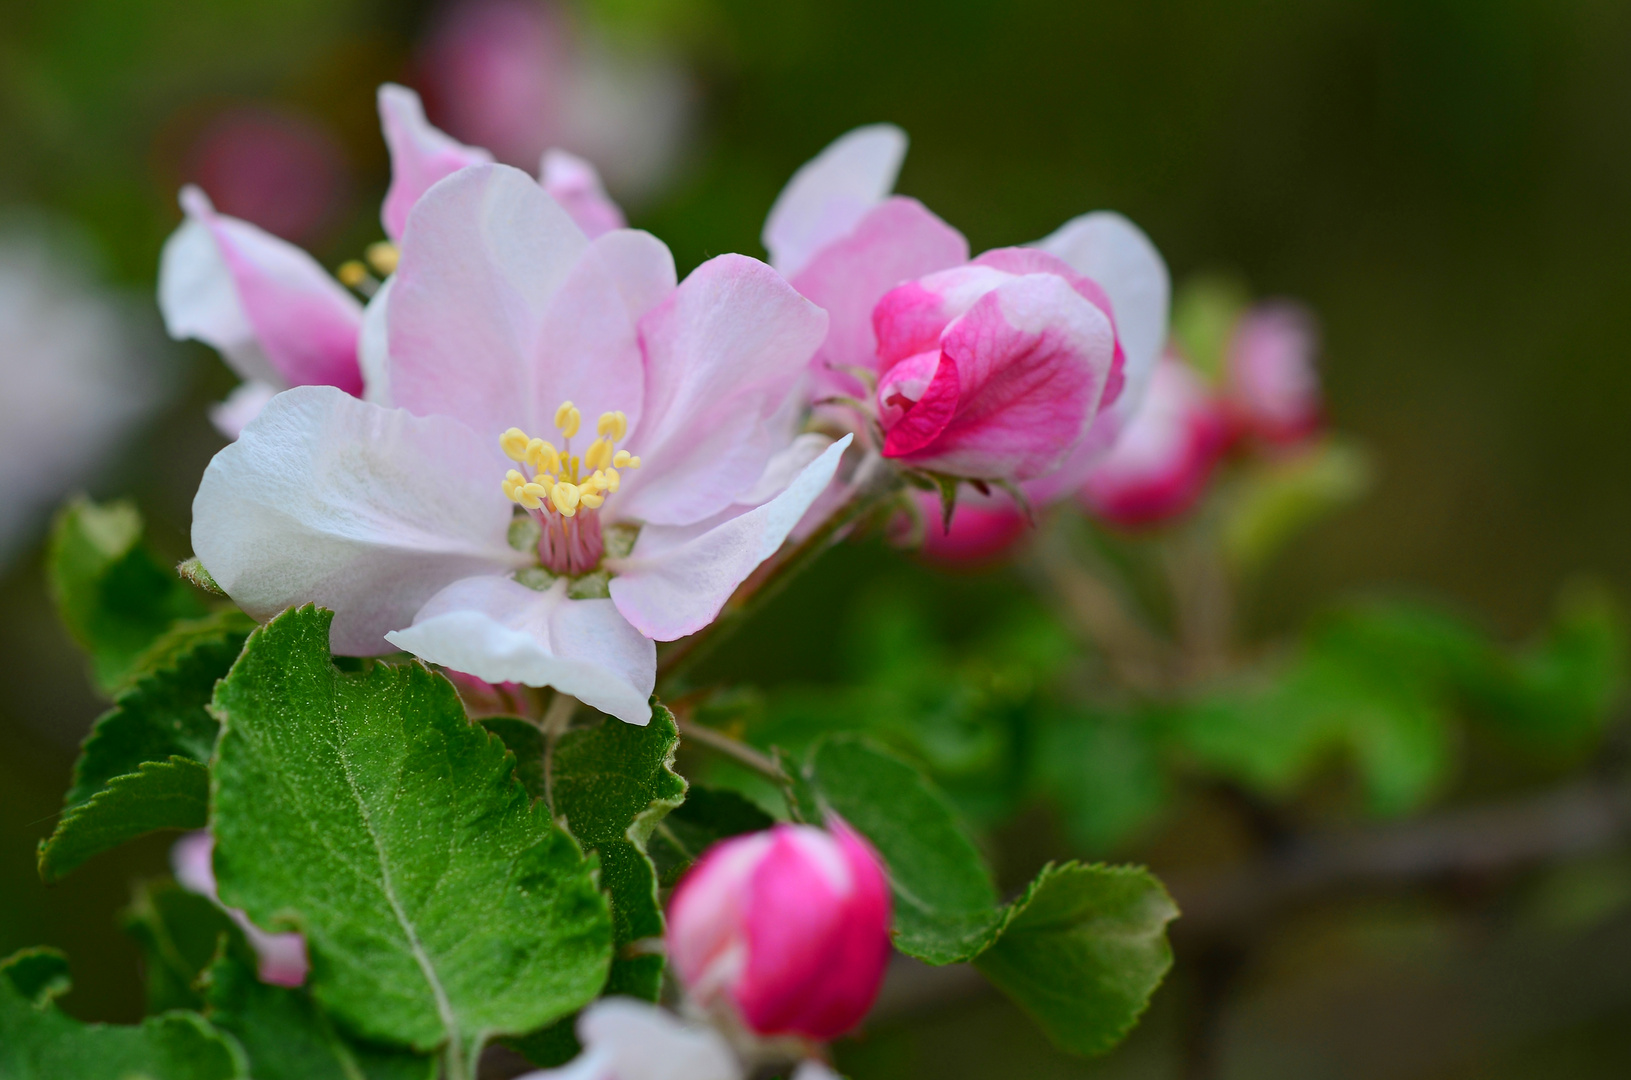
{"x":1447,"y":182}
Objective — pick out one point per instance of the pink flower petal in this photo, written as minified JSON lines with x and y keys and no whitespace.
{"x":723,"y":354}
{"x":831,"y":193}
{"x":271,"y":310}
{"x":1032,"y":358}
{"x":1273,"y":383}
{"x":896,"y":241}
{"x":917,"y":398}
{"x":501,"y":631}
{"x":420,"y":155}
{"x":501,"y":309}
{"x":1115,"y":253}
{"x":368,"y":511}
{"x":574,"y":183}
{"x":1160,"y":465}
{"x":1020,"y":261}
{"x":678,"y":577}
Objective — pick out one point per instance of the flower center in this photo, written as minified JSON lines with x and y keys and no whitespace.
{"x":565,"y":492}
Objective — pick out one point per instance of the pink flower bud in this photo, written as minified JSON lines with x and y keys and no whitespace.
{"x":1274,"y":387}
{"x":1161,"y":461}
{"x":790,"y":927}
{"x":981,"y":531}
{"x":996,"y":369}
{"x":282,"y":956}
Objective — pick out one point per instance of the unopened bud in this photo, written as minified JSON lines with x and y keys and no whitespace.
{"x":789,"y":927}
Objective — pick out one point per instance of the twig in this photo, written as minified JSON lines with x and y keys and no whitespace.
{"x":1140,"y":659}
{"x":875,"y":482}
{"x":715,"y":739}
{"x":1565,"y":823}
{"x":554,"y":724}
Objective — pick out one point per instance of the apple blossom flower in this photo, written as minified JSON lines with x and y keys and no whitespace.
{"x":519,"y":76}
{"x":788,"y":929}
{"x":80,"y":369}
{"x":275,"y":315}
{"x":1273,"y":384}
{"x":627,"y":1039}
{"x":1165,"y":455}
{"x":439,"y":518}
{"x":282,"y":956}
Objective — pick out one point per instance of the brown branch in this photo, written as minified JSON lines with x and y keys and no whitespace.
{"x":1472,"y":841}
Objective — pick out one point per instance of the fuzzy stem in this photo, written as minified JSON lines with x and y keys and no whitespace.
{"x":718,"y":741}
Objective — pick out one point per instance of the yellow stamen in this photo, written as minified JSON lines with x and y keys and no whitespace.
{"x":625,"y":460}
{"x":352,"y":273}
{"x":610,"y":478}
{"x":531,"y":495}
{"x":514,"y":444}
{"x":543,"y":457}
{"x":383,"y":257}
{"x":565,"y":497}
{"x":568,"y":419}
{"x":591,"y":500}
{"x":613,"y":425}
{"x":599,"y":454}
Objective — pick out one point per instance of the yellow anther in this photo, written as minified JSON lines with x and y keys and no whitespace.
{"x":546,"y":479}
{"x":613,"y":425}
{"x":510,"y":487}
{"x":591,"y":500}
{"x":565,"y":497}
{"x":568,"y":419}
{"x":383,"y":257}
{"x":610,"y":478}
{"x":599,"y":454}
{"x":531,"y":495}
{"x":543,"y":457}
{"x":514,"y":444}
{"x":352,"y":273}
{"x":625,"y":460}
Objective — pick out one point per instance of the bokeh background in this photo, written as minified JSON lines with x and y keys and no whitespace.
{"x":1446,"y":182}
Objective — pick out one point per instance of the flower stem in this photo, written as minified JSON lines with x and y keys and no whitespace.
{"x":875,"y":483}
{"x":554,"y":724}
{"x":717,"y":740}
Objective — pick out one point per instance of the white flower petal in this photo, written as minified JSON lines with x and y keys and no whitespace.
{"x":368,"y":511}
{"x":831,"y":192}
{"x":1114,"y":252}
{"x":678,"y":577}
{"x":373,"y":348}
{"x":199,"y":300}
{"x":499,"y":630}
{"x":722,"y":352}
{"x":501,"y":309}
{"x":649,"y":1043}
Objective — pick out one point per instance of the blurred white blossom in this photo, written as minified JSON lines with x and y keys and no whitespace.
{"x":79,"y":367}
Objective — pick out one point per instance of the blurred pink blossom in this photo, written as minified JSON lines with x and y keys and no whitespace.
{"x":282,"y":956}
{"x":277,"y":169}
{"x":520,"y":76}
{"x":1272,"y":382}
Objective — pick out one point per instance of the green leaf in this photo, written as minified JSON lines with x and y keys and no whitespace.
{"x":945,"y":902}
{"x":39,"y":1042}
{"x":171,"y":794}
{"x":611,"y":785}
{"x":164,"y":712}
{"x":441,"y":905}
{"x":707,"y":816}
{"x":1083,"y":950}
{"x":287,"y":1037}
{"x":112,"y":594}
{"x":1104,"y":771}
{"x":1275,"y":500}
{"x":180,"y":934}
